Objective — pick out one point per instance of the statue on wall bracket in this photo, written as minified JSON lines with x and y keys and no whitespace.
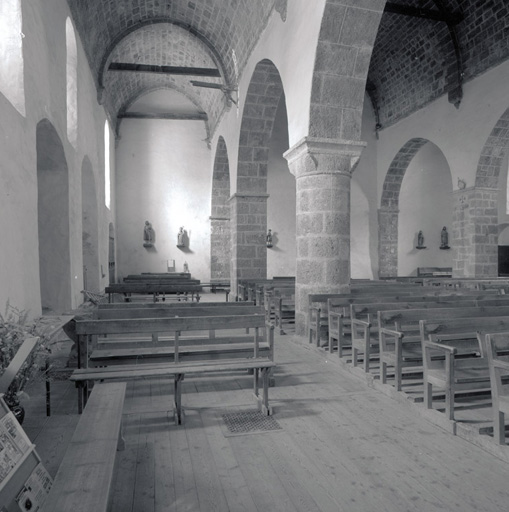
{"x":149,"y":236}
{"x":181,"y":237}
{"x":444,"y":239}
{"x":420,"y":241}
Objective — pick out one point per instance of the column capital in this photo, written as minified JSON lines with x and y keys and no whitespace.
{"x":315,"y":155}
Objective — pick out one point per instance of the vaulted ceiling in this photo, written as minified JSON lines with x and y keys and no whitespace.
{"x":424,"y":49}
{"x":169,"y":35}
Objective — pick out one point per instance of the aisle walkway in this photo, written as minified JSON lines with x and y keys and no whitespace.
{"x":337,"y":445}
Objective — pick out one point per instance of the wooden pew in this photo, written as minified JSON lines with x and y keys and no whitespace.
{"x":399,"y":335}
{"x":171,"y":305}
{"x":246,"y":288}
{"x":284,"y":307}
{"x":84,"y":479}
{"x":181,"y":291}
{"x":250,"y":354}
{"x":497,"y":350}
{"x":341,"y":303}
{"x":202,"y":309}
{"x":434,"y":272}
{"x":318,"y":302}
{"x":453,"y":357}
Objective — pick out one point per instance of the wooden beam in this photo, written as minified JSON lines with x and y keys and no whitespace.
{"x":167,"y":70}
{"x":199,"y":116}
{"x":208,"y":85}
{"x":429,"y":14}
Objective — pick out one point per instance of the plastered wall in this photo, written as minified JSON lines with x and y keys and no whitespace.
{"x":281,"y":218}
{"x":44,"y":51}
{"x":163,"y":172}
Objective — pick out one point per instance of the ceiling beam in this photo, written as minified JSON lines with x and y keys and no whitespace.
{"x":167,"y":70}
{"x":429,"y":14}
{"x":198,"y":116}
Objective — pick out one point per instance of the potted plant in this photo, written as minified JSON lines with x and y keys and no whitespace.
{"x":15,"y":327}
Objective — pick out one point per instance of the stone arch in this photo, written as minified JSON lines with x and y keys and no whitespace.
{"x":476,"y":210}
{"x":220,"y":249}
{"x":208,"y":47}
{"x":343,"y":53}
{"x":249,"y":203}
{"x":389,"y":208}
{"x":90,"y":238}
{"x":72,"y":82}
{"x":53,"y":219}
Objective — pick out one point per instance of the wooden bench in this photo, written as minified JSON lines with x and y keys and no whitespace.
{"x":399,"y":335}
{"x":497,"y":350}
{"x":284,"y":307}
{"x":170,"y":305}
{"x":434,"y":272}
{"x":202,"y":309}
{"x":454,"y":358}
{"x":203,"y":354}
{"x":84,"y":479}
{"x":339,"y":323}
{"x":158,"y":291}
{"x":318,"y":302}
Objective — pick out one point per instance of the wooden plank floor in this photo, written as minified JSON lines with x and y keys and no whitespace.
{"x":342,"y":446}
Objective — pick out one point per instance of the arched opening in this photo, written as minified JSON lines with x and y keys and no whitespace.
{"x":389,"y":208}
{"x":425,"y":205}
{"x":220,"y":248}
{"x":482,"y":210}
{"x":107,"y":165}
{"x":89,"y":228}
{"x":249,"y":203}
{"x":111,"y":254}
{"x":281,"y":204}
{"x":53,"y":220}
{"x":11,"y":54}
{"x":72,"y":82}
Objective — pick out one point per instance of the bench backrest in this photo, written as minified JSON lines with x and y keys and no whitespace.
{"x":168,"y":325}
{"x":410,"y":318}
{"x":395,"y":292}
{"x":170,"y":305}
{"x":372,"y":309}
{"x":151,"y":287}
{"x":461,"y":328}
{"x":345,"y":302}
{"x":164,"y":312}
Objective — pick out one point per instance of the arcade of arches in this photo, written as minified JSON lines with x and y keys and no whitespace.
{"x":345,"y":127}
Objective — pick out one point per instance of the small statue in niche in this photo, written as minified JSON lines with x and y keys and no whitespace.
{"x":180,"y":237}
{"x":148,"y":235}
{"x":444,"y":239}
{"x":186,"y":267}
{"x":420,"y":240}
{"x":269,"y":238}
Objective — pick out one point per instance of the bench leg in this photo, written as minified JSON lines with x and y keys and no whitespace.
{"x":428,"y":395}
{"x":263,"y":400}
{"x":121,"y":440}
{"x":499,"y":427}
{"x":179,"y":377}
{"x":383,"y":372}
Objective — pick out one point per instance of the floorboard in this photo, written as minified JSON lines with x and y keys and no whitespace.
{"x":343,"y":445}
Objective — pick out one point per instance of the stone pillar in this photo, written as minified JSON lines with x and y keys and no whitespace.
{"x":248,"y":237}
{"x":388,"y":242}
{"x":474,"y":239}
{"x":220,"y":249}
{"x":322,"y":169}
